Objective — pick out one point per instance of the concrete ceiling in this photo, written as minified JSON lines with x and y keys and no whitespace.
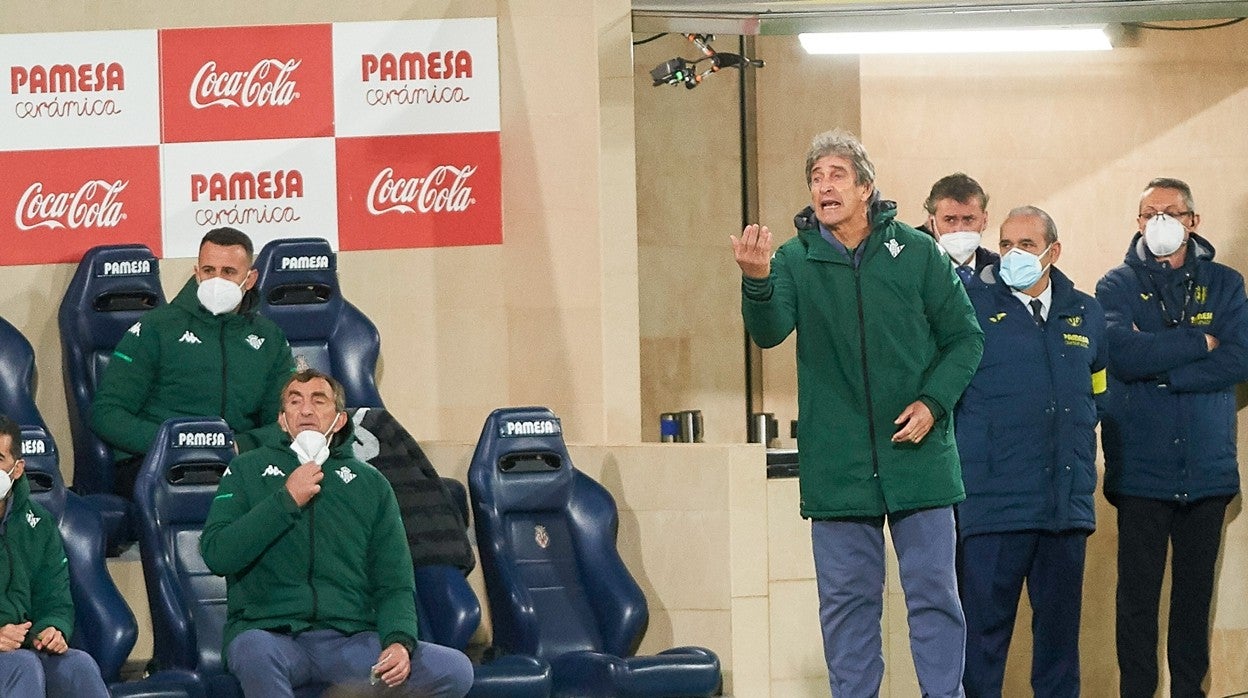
{"x":752,"y":17}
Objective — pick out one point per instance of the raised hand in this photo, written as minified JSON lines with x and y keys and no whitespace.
{"x":753,"y":251}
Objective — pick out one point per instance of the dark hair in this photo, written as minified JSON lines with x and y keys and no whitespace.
{"x":308,"y":374}
{"x":226,"y":237}
{"x":957,"y":186}
{"x":1175,"y":184}
{"x":10,"y":428}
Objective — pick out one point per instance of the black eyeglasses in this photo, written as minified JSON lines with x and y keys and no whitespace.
{"x":1177,"y":215}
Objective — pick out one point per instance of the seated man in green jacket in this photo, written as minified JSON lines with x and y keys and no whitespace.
{"x":207,"y":353}
{"x":36,"y":610}
{"x":318,"y":572}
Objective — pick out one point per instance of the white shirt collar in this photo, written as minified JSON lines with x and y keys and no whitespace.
{"x":1046,"y":299}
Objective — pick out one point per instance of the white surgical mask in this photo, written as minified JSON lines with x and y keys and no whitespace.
{"x":1163,"y":235}
{"x":960,"y":245}
{"x":6,"y":481}
{"x":1021,"y":269}
{"x":220,"y":295}
{"x":312,"y":445}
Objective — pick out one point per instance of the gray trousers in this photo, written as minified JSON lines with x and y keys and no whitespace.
{"x":849,"y":568}
{"x":37,"y":674}
{"x":272,"y":665}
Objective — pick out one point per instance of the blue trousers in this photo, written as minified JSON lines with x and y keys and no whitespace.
{"x":272,"y":665}
{"x":849,"y":569}
{"x":34,"y":674}
{"x":991,"y":570}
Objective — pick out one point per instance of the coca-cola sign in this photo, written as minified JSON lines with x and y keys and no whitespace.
{"x":445,"y":188}
{"x":96,"y":204}
{"x":268,"y":84}
{"x":247,"y":83}
{"x":58,"y":203}
{"x":419,"y":191}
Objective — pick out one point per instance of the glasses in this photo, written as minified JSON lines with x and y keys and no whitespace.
{"x":1177,"y":215}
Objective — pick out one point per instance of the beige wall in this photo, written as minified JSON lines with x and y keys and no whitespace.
{"x":1077,"y":135}
{"x":548,"y":317}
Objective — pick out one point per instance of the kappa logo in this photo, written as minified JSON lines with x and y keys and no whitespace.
{"x":136,"y":328}
{"x":1145,"y":296}
{"x":255,"y":342}
{"x":894,"y":247}
{"x":227,"y":471}
{"x":345,"y":473}
{"x":272,"y":471}
{"x":541,"y":537}
{"x":996,"y":318}
{"x":31,"y":518}
{"x":189,"y":337}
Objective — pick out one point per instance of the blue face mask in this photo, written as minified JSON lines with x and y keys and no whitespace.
{"x":1021,"y":269}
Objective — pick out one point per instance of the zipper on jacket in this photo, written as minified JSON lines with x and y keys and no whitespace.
{"x":312,"y":554}
{"x":224,"y":368}
{"x":866,"y":378}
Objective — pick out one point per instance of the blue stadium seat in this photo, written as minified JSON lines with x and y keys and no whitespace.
{"x":298,"y":287}
{"x":449,"y":613}
{"x":104,"y":626}
{"x":17,"y":400}
{"x":112,"y":288}
{"x":557,"y":587}
{"x":175,"y":488}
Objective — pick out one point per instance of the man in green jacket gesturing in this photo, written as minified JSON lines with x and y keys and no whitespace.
{"x":318,"y":572}
{"x":886,"y":342}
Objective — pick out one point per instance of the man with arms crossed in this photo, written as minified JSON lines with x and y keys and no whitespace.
{"x":1178,"y":345}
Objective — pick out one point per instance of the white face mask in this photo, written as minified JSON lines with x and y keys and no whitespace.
{"x":310,"y":445}
{"x":960,"y":245}
{"x":220,"y":295}
{"x":1163,"y":235}
{"x":6,"y":481}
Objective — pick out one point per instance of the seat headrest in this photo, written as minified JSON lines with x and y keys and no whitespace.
{"x":17,"y":376}
{"x":120,"y":275}
{"x":43,"y":471}
{"x":297,"y":271}
{"x":521,"y":461}
{"x":191,"y":451}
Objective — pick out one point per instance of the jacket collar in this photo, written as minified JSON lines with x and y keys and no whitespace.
{"x":1138,"y":255}
{"x":881,"y":211}
{"x":1064,"y":296}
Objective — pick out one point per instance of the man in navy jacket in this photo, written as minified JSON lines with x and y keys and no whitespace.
{"x":1178,"y":343}
{"x":1026,"y":429}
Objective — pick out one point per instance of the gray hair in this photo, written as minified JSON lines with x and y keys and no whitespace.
{"x":842,"y":144}
{"x":1175,"y":184}
{"x":1050,"y":228}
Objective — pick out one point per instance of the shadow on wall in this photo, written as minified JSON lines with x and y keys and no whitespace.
{"x":659,"y":632}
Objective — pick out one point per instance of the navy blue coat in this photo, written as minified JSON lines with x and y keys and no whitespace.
{"x":1026,"y":425}
{"x":1169,"y":433}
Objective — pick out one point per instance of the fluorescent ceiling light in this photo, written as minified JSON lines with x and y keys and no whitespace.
{"x":1074,"y":38}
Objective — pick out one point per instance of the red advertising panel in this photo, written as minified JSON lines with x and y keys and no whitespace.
{"x":246,"y":83}
{"x":57,"y":204}
{"x":419,"y":191}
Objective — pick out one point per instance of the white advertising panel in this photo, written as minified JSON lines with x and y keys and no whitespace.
{"x":79,"y":90}
{"x":268,"y":189}
{"x":416,"y":77}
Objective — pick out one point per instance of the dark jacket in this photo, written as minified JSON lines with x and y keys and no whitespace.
{"x":340,"y":562}
{"x":870,"y":341}
{"x":1026,"y":425}
{"x":1169,"y":433}
{"x":182,"y":361}
{"x":34,"y":573}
